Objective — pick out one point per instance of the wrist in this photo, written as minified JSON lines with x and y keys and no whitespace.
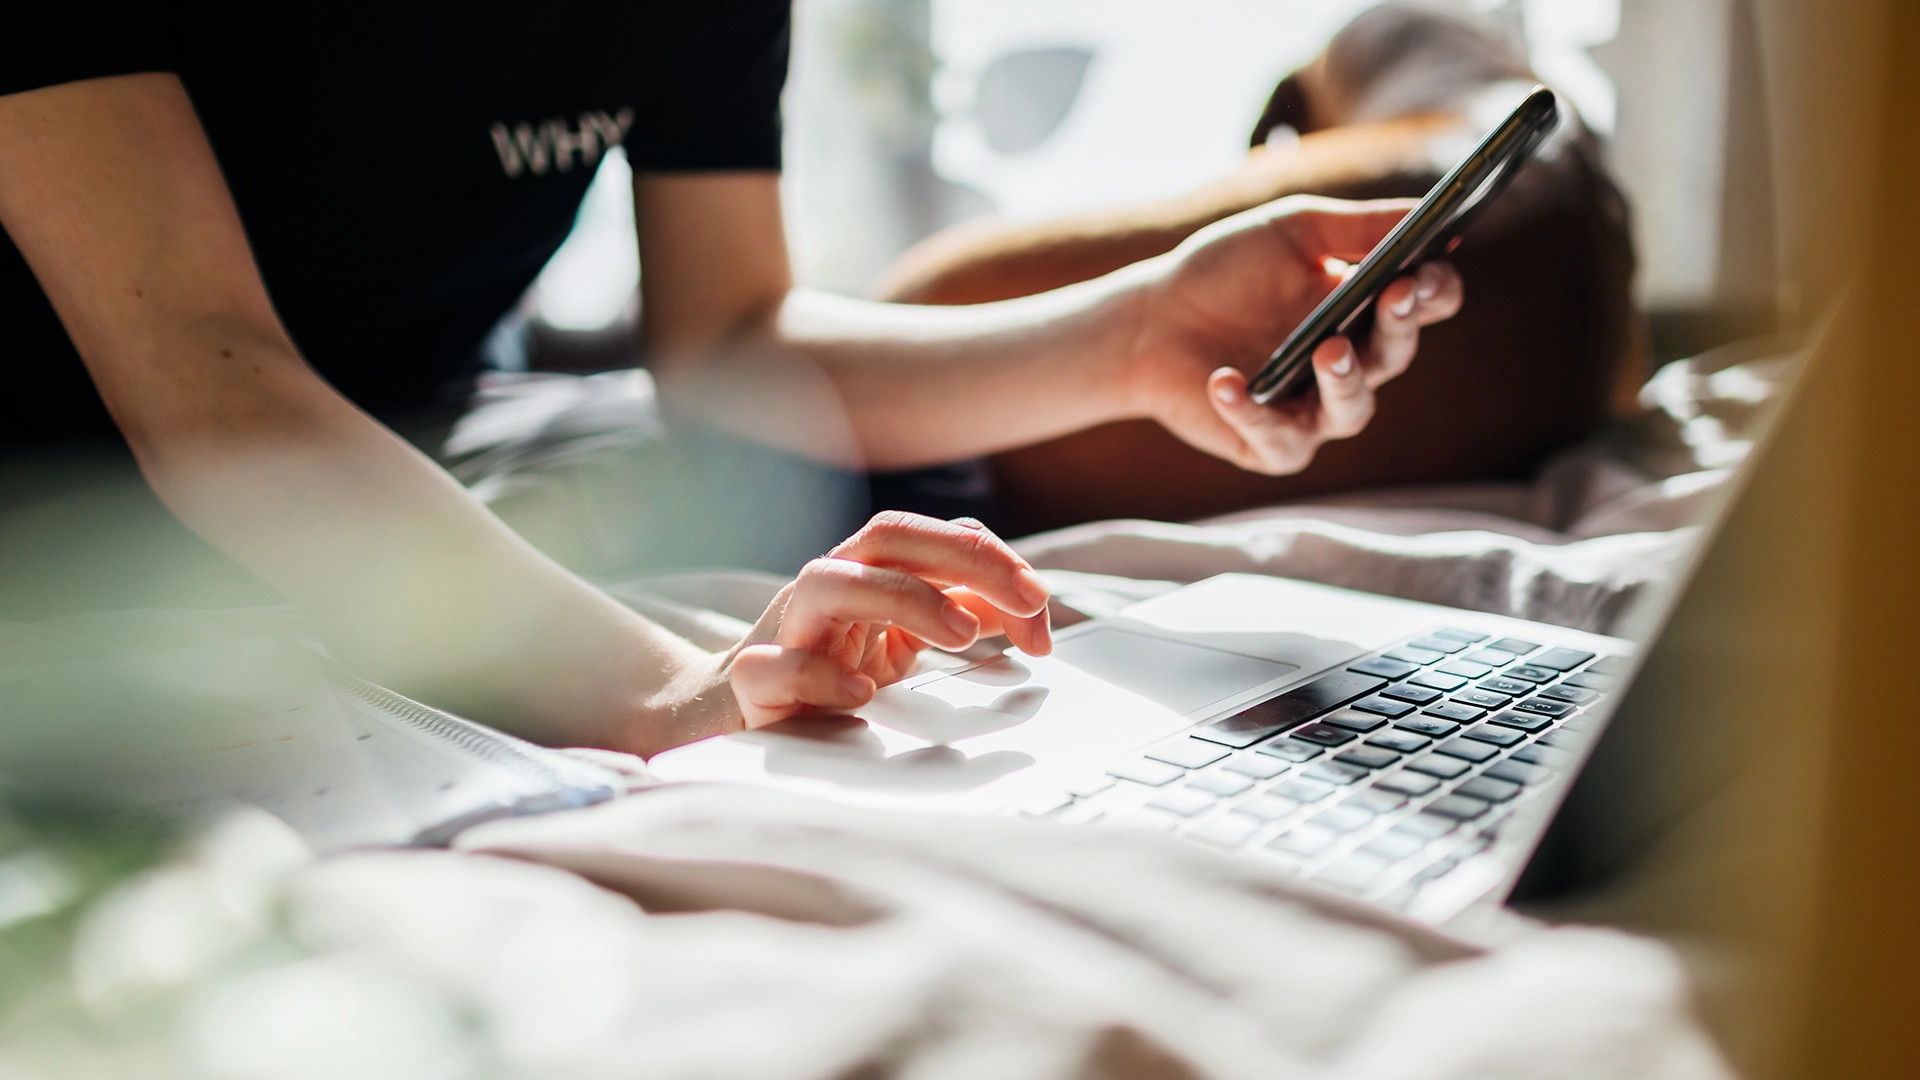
{"x":696,"y":702}
{"x":1133,"y":350}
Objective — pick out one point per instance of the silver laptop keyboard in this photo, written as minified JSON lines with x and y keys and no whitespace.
{"x":1375,"y":778}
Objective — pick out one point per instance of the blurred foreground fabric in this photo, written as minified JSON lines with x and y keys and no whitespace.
{"x":721,"y":932}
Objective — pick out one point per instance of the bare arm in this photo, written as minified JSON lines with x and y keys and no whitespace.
{"x":412,"y":579}
{"x":895,"y":386}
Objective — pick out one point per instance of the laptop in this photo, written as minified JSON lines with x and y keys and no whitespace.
{"x":1404,"y":753}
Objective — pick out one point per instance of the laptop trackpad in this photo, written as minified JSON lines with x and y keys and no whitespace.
{"x":1175,"y":675}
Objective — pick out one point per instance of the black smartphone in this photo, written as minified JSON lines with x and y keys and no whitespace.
{"x":1427,"y":231}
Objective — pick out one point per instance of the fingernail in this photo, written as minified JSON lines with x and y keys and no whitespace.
{"x":1032,"y":590}
{"x":1342,"y":365}
{"x":1426,"y":281}
{"x":855,"y":685}
{"x":1405,"y":307}
{"x":1227,"y":392}
{"x":969,"y":523}
{"x":961,"y":620}
{"x":1043,"y":634}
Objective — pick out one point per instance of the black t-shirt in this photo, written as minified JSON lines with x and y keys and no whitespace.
{"x":403,"y":169}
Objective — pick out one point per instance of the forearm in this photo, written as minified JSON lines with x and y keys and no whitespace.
{"x":889,"y":386}
{"x":993,"y":260}
{"x":410,"y":579}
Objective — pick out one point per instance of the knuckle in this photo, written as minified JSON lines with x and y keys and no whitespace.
{"x":816,"y":574}
{"x":754,"y":663}
{"x":892,"y":521}
{"x":827,"y":580}
{"x":899,"y":587}
{"x":978,"y":544}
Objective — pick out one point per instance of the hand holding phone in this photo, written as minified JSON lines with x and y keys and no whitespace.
{"x":1430,"y":229}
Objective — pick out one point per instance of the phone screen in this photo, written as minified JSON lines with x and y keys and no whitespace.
{"x":1422,"y":234}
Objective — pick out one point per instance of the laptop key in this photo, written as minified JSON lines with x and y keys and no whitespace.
{"x":1573,"y":694}
{"x":1466,"y":669}
{"x":1226,"y":831}
{"x":1459,"y":714}
{"x":1456,"y":807}
{"x":1323,"y":734}
{"x":1258,"y":766}
{"x":1540,"y":707}
{"x":1446,"y":768}
{"x":1514,"y":772}
{"x":1188,"y":753}
{"x":1431,"y":727}
{"x":1493,"y":791}
{"x":1543,"y":755}
{"x":1342,"y":818}
{"x":1391,"y":846}
{"x":1520,"y":720}
{"x":1468,"y":636}
{"x":1438,"y":681}
{"x":1377,"y":800}
{"x":1384,"y":668}
{"x":1560,"y":659}
{"x":1333,"y":772}
{"x":1289,"y":750}
{"x":1425,"y":826}
{"x":1439,"y":644}
{"x":1182,"y":801}
{"x":1081,"y":813}
{"x":1354,"y":720}
{"x":1418,"y":695}
{"x":1406,"y":783}
{"x":1514,"y":645}
{"x":1610,"y":666}
{"x":1150,"y":773}
{"x":1408,"y":655}
{"x":1483,"y":699}
{"x":1366,"y":757}
{"x":1224,"y":784}
{"x":1089,"y":786}
{"x":1498,"y":736}
{"x":1274,"y":715}
{"x":1505,"y":686}
{"x":1402,"y":742}
{"x":1266,"y":807}
{"x":1529,"y":673}
{"x":1493,"y":658}
{"x":1302,"y":790}
{"x":1468,"y":750}
{"x":1564,"y":740}
{"x":1043,"y":805}
{"x":1383,"y":705}
{"x":1304,"y":840}
{"x":1587,"y":680}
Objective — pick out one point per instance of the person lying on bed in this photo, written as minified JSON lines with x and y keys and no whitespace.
{"x":1547,"y":349}
{"x":238,"y":234}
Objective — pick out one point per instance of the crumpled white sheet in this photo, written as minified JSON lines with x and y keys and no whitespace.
{"x":1603,"y":525}
{"x":747,"y":933}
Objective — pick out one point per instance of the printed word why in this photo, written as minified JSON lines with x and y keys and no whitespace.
{"x":554,"y":144}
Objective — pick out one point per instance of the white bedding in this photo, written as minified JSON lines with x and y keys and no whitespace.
{"x":707,"y":932}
